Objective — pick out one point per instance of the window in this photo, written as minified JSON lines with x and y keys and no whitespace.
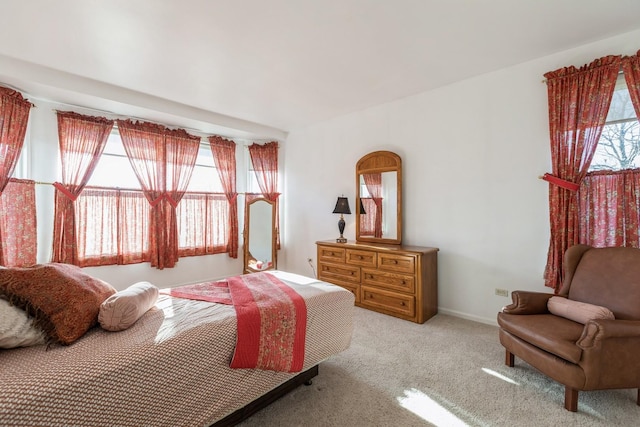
{"x":252,"y":180}
{"x":609,"y":195}
{"x":108,"y":209}
{"x":205,"y":177}
{"x":203,"y":211}
{"x":113,"y":169}
{"x":113,"y":211}
{"x":619,"y":144}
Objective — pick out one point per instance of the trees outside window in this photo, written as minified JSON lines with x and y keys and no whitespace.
{"x":619,"y":144}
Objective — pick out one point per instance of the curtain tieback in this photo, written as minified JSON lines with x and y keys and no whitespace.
{"x":153,"y":203}
{"x":166,"y":196}
{"x":172,"y":202}
{"x":562,"y":183}
{"x":60,"y":187}
{"x":232,"y":197}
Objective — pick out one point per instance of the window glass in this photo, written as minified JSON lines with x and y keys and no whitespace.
{"x":205,"y":176}
{"x":619,"y":144}
{"x":113,"y":169}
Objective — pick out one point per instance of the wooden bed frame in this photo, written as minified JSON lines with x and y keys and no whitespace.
{"x":267,"y":399}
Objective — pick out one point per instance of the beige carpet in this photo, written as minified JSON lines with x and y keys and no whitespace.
{"x":446,"y":372}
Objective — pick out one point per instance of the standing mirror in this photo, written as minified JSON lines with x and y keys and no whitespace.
{"x":259,"y":235}
{"x":379,"y":198}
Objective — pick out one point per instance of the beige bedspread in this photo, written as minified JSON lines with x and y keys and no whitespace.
{"x":170,"y":369}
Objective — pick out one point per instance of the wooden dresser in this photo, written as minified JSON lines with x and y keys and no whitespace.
{"x":398,"y":280}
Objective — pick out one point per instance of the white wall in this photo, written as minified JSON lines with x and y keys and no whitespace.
{"x":472,"y":153}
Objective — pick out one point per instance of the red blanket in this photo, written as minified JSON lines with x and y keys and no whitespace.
{"x":272,"y":319}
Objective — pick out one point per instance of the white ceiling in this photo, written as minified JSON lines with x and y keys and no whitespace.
{"x":265,"y":67}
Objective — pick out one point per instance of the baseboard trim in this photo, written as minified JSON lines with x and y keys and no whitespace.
{"x":492,"y":322}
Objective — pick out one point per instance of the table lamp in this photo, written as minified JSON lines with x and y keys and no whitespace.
{"x":342,"y":207}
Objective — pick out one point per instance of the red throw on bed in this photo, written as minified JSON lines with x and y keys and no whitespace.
{"x":272,"y":319}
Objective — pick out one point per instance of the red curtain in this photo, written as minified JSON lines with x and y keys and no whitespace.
{"x":14,"y":116}
{"x":82,"y":140}
{"x":181,"y":153}
{"x":373,"y":181}
{"x":579,"y":100}
{"x":609,"y":206}
{"x":18,"y":245}
{"x":224,"y":156}
{"x":115,"y":226}
{"x":265,"y":165}
{"x":368,"y":220}
{"x":203,"y":223}
{"x":163,"y":162}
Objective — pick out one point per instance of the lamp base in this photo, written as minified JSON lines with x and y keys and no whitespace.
{"x":341,"y":225}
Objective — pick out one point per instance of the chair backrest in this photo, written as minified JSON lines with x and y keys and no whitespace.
{"x":609,"y":277}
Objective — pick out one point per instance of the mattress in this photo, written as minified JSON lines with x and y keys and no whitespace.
{"x":171,"y":368}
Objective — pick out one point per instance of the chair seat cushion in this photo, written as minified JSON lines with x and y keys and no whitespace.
{"x":548,"y":332}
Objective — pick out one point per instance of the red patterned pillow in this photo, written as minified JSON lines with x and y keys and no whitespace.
{"x":63,"y":300}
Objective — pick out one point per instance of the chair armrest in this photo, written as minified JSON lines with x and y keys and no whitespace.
{"x":527,"y":302}
{"x":598,"y":330}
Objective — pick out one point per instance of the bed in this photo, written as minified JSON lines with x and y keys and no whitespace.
{"x":170,"y":368}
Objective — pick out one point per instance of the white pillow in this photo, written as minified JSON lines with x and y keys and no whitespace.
{"x":16,"y":327}
{"x":122,"y":309}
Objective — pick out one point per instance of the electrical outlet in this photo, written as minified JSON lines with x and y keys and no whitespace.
{"x":310,"y":261}
{"x":502,"y":292}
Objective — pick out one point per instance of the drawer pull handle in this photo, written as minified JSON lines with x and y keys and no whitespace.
{"x":394,"y":261}
{"x":402,"y":303}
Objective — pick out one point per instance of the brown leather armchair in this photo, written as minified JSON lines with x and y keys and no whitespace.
{"x":602,"y":353}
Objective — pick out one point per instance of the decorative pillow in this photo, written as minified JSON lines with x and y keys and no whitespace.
{"x":16,"y":327}
{"x":63,"y":300}
{"x":577,"y":311}
{"x":122,"y":309}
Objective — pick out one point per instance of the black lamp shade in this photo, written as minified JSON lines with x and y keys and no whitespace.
{"x":342,"y":206}
{"x":362,"y":211}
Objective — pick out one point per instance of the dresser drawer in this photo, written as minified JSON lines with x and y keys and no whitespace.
{"x":339,"y":273}
{"x":392,"y":281}
{"x":388,"y":301}
{"x":361,"y":258}
{"x":331,"y":254}
{"x":397,"y":263}
{"x":342,"y":275}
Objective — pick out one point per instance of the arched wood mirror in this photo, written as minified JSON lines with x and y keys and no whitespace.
{"x":379,"y":198}
{"x":259,"y":235}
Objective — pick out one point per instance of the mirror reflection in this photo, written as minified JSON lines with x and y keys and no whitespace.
{"x":379,"y":205}
{"x":379,"y":196}
{"x":259,"y":244}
